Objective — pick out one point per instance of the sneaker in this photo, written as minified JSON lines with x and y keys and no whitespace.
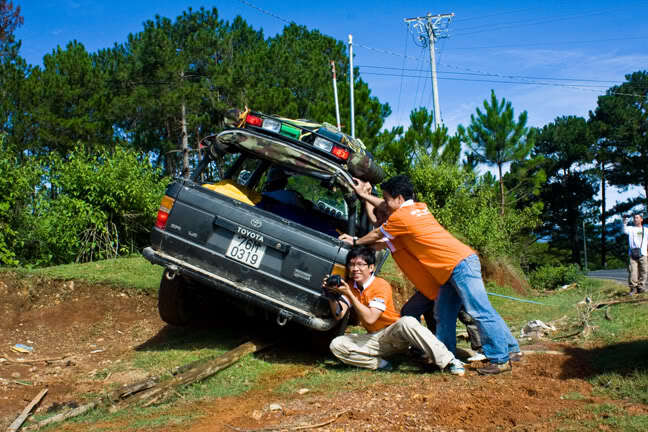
{"x":495,"y":368}
{"x":455,"y":367}
{"x":516,"y":356}
{"x":477,"y":357}
{"x":384,"y":366}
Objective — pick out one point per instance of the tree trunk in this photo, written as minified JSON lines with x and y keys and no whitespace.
{"x":185,"y":143}
{"x":501,"y":184}
{"x":603,"y":218}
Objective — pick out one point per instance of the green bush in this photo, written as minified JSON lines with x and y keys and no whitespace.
{"x":18,"y":179}
{"x":470,"y":209}
{"x":551,"y":277}
{"x":98,"y":206}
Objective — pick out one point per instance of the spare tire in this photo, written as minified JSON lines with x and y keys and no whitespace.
{"x":363,"y":166}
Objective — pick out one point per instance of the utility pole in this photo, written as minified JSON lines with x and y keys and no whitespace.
{"x":351,"y":84}
{"x":337,"y":108}
{"x":429,"y":29}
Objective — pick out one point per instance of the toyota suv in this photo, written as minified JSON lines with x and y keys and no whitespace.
{"x":258,"y":220}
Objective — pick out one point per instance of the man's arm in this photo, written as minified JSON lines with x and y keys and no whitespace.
{"x":366,"y":315}
{"x":370,"y":238}
{"x":363,"y":190}
{"x":624,"y":226}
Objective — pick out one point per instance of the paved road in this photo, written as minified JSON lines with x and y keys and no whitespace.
{"x":620,"y":275}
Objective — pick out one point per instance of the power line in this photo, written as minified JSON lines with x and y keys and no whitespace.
{"x":490,"y":74}
{"x":552,"y":43}
{"x":266,"y":12}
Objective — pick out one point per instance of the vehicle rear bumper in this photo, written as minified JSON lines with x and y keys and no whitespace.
{"x":283,"y":310}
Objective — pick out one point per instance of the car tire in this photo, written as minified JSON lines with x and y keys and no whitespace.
{"x":320,"y":341}
{"x":174,"y":300}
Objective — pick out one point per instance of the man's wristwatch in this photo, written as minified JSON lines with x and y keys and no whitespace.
{"x":354,"y":240}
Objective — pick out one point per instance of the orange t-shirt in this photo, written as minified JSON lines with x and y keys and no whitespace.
{"x":378,"y":294}
{"x":426,"y":240}
{"x":413,"y":270}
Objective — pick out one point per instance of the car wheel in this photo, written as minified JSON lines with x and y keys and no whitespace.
{"x":320,"y":341}
{"x":174,"y":300}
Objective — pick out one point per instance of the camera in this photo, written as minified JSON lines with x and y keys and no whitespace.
{"x":333,"y":281}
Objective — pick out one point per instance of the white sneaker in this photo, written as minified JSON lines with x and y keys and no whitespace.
{"x":455,"y":367}
{"x":477,"y":357}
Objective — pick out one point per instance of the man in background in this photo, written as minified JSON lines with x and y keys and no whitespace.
{"x":637,"y":253}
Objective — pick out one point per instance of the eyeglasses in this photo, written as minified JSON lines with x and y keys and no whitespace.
{"x":357,"y":265}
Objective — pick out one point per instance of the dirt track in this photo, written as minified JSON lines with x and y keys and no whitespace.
{"x":96,"y":326}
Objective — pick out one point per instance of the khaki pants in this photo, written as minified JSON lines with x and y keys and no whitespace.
{"x":637,"y":274}
{"x":366,"y":350}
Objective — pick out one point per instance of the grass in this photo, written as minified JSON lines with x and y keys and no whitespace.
{"x":133,"y":272}
{"x":617,"y":347}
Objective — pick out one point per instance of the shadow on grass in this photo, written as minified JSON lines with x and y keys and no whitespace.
{"x":624,"y":359}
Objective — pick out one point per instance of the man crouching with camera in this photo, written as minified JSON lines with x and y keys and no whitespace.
{"x":387,"y":333}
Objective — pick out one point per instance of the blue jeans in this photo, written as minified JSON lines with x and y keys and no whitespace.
{"x":466,"y":288}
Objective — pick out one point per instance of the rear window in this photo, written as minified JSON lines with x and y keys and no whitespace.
{"x":313,"y":200}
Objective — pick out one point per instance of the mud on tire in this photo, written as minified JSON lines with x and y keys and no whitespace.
{"x":174,"y":302}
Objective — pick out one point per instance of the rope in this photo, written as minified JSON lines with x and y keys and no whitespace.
{"x":243,"y":117}
{"x":517,"y":299}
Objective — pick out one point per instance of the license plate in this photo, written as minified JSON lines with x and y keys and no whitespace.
{"x":245,"y":250}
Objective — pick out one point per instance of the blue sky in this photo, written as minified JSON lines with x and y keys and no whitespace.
{"x":549,"y":58}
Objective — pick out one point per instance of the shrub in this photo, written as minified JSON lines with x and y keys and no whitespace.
{"x":470,"y":209}
{"x":551,"y":277}
{"x":99,"y":206}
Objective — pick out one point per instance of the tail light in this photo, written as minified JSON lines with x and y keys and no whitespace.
{"x":163,"y":212}
{"x":253,"y":120}
{"x":340,"y":152}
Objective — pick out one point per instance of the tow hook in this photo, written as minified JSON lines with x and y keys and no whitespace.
{"x":171,"y":272}
{"x":282,"y":318}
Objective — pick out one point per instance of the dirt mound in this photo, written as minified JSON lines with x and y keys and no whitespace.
{"x":78,"y":329}
{"x":75,"y":329}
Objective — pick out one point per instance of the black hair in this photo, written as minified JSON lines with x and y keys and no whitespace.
{"x":364,"y":252}
{"x":399,"y":185}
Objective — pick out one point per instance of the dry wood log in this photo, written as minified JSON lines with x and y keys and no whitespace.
{"x":151,"y":392}
{"x":45,"y":360}
{"x":200,"y":370}
{"x":63,"y":416}
{"x":25,"y":413}
{"x":614,"y":302}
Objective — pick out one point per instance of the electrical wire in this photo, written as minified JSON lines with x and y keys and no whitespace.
{"x":266,"y":12}
{"x":490,"y":74}
{"x":584,"y":87}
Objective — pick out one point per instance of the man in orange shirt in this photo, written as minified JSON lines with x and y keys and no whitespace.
{"x":450,"y":264}
{"x":387,"y":333}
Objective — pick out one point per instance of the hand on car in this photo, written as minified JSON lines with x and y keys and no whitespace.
{"x":346,"y":238}
{"x":361,"y":187}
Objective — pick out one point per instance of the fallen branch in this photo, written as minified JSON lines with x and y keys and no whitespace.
{"x":150,"y":391}
{"x":63,"y":416}
{"x":45,"y":360}
{"x":25,"y":413}
{"x":199,"y":371}
{"x":615,"y":302}
{"x":291,"y":427}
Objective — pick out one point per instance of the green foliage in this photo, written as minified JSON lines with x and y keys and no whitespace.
{"x":18,"y":180}
{"x":552,"y":276}
{"x":99,"y":206}
{"x":495,"y":138}
{"x":467,"y":208}
{"x":399,"y":152}
{"x":621,"y":117}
